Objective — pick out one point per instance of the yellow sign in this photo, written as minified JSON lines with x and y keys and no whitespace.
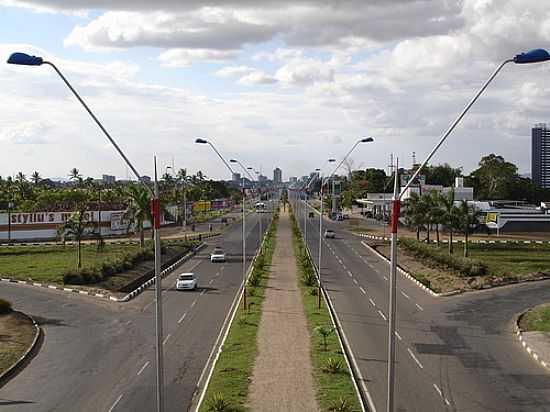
{"x":491,"y":217}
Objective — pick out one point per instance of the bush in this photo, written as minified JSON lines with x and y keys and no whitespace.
{"x":333,"y":366}
{"x":5,"y":307}
{"x":218,"y":403}
{"x":465,"y":266}
{"x":308,"y":277}
{"x":341,"y":405}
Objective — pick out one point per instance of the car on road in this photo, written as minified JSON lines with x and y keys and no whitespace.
{"x":186,"y":281}
{"x":329,"y":234}
{"x":217,"y":255}
{"x":223,"y":220}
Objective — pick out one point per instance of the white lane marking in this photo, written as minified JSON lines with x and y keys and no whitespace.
{"x":355,"y":281}
{"x":363,"y":290}
{"x":447,"y":402}
{"x":382,"y":315}
{"x":210,"y":281}
{"x":194,"y":303}
{"x":182,"y":318}
{"x":438,"y":390}
{"x":166,"y":339}
{"x":398,"y":336}
{"x":418,"y":306}
{"x":112,"y":408}
{"x":203,"y":292}
{"x":350,"y":274}
{"x":385,"y":277}
{"x":415,"y":358}
{"x":149,"y":304}
{"x":143,"y":368}
{"x":372,"y":302}
{"x":404,"y":294}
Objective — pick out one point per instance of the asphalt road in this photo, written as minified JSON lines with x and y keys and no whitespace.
{"x":100,"y":356}
{"x":453,"y":354}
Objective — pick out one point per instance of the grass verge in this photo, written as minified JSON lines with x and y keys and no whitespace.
{"x":536,"y":319}
{"x":501,"y":263}
{"x":228,"y":387}
{"x":50,"y":264}
{"x":17,"y":332}
{"x":333,"y":381}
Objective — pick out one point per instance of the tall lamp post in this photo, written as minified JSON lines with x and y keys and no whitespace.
{"x":23,"y":59}
{"x":204,"y":141}
{"x":244,"y":229}
{"x":533,"y":56}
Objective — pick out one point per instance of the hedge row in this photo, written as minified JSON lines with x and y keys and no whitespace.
{"x":464,"y":266}
{"x":99,"y":273}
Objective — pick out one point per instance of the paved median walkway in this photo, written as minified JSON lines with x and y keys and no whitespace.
{"x":282,"y":377}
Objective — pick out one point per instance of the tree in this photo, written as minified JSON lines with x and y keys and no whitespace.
{"x":441,"y":175}
{"x":75,"y":227}
{"x":468,"y":218}
{"x":415,"y":215}
{"x":436,"y":213}
{"x":139,"y":209}
{"x":491,"y":180}
{"x":75,"y":175}
{"x":20,"y":177}
{"x":450,"y":216}
{"x":36,"y":178}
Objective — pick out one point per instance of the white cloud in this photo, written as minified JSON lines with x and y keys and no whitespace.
{"x":186,"y":57}
{"x":234,"y":71}
{"x":257,"y":77}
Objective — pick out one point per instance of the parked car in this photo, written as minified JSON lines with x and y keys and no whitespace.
{"x":217,"y":255}
{"x":329,"y":234}
{"x":311,"y":214}
{"x":186,"y":281}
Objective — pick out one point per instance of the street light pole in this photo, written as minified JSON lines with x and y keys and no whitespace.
{"x":26,"y":60}
{"x":533,"y":56}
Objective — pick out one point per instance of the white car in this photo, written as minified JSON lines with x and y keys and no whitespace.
{"x":186,"y":281}
{"x":329,"y":234}
{"x":217,"y":255}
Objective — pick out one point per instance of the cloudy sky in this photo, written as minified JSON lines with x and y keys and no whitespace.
{"x":287,"y":83}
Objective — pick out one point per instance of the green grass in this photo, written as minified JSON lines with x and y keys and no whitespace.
{"x":330,"y":387}
{"x":506,"y":259}
{"x":230,"y":379}
{"x":536,"y":319}
{"x":49,"y":263}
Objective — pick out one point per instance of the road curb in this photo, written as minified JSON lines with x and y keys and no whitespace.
{"x":483,"y":242}
{"x":125,"y":298}
{"x":19,"y":364}
{"x":409,"y":276}
{"x":528,"y":349}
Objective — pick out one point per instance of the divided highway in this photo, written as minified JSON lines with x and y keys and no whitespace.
{"x":453,"y":354}
{"x":99,"y":356}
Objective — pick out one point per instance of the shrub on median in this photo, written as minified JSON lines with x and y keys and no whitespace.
{"x":5,"y":307}
{"x":464,"y":266}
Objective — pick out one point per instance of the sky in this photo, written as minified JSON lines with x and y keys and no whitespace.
{"x":273,"y":83}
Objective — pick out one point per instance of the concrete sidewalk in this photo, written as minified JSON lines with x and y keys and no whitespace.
{"x":282,"y":378}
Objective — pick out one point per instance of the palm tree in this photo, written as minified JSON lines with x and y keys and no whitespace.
{"x":468,"y":217}
{"x":20,"y":177}
{"x":139,"y":209}
{"x":450,"y":216}
{"x":75,"y":175}
{"x":416,"y":213}
{"x":36,"y":178}
{"x":76,"y":227}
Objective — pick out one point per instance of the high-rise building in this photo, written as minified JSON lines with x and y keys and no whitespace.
{"x":277,"y":176}
{"x":108,"y":179}
{"x":236,"y":178}
{"x":540,"y":155}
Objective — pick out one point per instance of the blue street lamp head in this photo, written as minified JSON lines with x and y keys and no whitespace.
{"x":23,"y":59}
{"x":532,"y":56}
{"x":367,"y":139}
{"x":331,"y":160}
{"x":202,"y":141}
{"x":232,"y":160}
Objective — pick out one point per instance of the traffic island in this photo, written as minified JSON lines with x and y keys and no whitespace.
{"x":533,"y":331}
{"x":334,"y":385}
{"x":19,"y":335}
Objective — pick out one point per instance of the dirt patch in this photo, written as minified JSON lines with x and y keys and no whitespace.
{"x":16,"y":336}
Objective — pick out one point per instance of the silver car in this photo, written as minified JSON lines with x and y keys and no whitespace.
{"x":329,"y":234}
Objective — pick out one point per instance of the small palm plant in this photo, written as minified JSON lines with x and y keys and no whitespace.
{"x":341,"y":405}
{"x":325,"y":332}
{"x":333,"y":366}
{"x":218,"y":403}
